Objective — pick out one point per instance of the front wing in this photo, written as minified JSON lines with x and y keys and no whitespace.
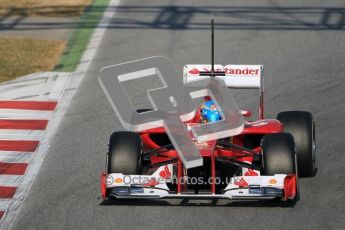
{"x":120,"y":186}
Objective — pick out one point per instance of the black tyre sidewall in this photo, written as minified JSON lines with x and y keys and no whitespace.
{"x":278,"y":154}
{"x":301,"y":126}
{"x":124,"y":153}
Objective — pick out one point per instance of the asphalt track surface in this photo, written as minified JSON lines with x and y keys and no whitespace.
{"x":302,"y":47}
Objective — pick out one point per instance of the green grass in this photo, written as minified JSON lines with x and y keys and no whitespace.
{"x":80,"y":37}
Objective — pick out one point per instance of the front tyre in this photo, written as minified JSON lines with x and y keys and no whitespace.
{"x":278,"y":154}
{"x":279,"y":157}
{"x":301,"y":126}
{"x":124,"y":155}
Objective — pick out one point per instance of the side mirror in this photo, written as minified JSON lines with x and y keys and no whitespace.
{"x":246,"y":113}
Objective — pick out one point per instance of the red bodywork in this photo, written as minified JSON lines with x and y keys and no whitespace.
{"x":210,"y":149}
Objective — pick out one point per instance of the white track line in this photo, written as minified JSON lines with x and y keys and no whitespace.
{"x":25,"y":114}
{"x":10,"y":180}
{"x":5,"y":204}
{"x":72,"y":86}
{"x":15,"y":157}
{"x":19,"y":134}
{"x":59,"y":86}
{"x":38,"y":86}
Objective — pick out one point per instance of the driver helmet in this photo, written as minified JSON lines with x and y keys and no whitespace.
{"x":209,"y":112}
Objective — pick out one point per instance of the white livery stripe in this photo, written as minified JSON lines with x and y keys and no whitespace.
{"x":25,"y":114}
{"x":13,"y":134}
{"x":15,"y":157}
{"x":59,"y":87}
{"x":10,"y":180}
{"x":4,"y":204}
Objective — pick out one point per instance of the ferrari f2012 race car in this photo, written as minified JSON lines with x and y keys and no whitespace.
{"x":264,"y":161}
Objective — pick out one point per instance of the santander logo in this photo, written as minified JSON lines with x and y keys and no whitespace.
{"x":165,"y":173}
{"x":194,"y":71}
{"x":229,"y":70}
{"x":250,"y":172}
{"x":241,"y":182}
{"x":245,"y":71}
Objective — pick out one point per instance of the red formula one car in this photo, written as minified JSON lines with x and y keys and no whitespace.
{"x":263,"y":162}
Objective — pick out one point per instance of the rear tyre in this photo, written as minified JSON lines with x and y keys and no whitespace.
{"x":278,"y":154}
{"x":301,"y":126}
{"x":124,"y":155}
